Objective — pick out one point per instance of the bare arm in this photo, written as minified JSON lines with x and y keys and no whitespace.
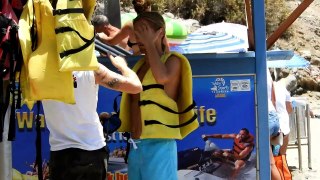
{"x":220,"y":136}
{"x":127,"y":81}
{"x":288,"y":102}
{"x":243,"y":153}
{"x":116,"y":39}
{"x":163,"y":73}
{"x":273,"y":96}
{"x":289,"y":107}
{"x":168,"y":74}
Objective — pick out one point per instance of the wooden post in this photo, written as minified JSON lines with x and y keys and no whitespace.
{"x":249,"y":24}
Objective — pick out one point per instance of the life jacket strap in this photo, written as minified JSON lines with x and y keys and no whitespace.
{"x":147,"y":102}
{"x":12,"y":86}
{"x":127,"y":136}
{"x":151,"y":86}
{"x":153,"y":122}
{"x":76,"y":50}
{"x":69,"y":29}
{"x":67,"y":11}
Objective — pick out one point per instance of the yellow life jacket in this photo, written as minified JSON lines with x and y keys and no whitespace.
{"x":75,"y":35}
{"x":161,"y":116}
{"x":40,"y":76}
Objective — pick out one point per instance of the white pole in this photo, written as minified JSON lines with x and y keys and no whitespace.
{"x":6,"y":151}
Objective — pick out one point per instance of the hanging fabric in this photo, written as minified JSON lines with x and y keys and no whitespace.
{"x":41,"y":77}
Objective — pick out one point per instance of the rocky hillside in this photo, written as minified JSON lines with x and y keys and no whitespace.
{"x":305,"y":42}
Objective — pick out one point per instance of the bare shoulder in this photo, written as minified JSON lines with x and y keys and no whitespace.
{"x":173,"y":59}
{"x":127,"y":26}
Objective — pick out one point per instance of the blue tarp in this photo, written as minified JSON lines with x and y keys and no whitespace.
{"x":295,"y":62}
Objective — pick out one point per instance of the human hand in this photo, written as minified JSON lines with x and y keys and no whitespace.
{"x":225,"y":154}
{"x":118,"y":62}
{"x":204,"y":137}
{"x":146,"y":34}
{"x":100,"y":36}
{"x":103,"y":37}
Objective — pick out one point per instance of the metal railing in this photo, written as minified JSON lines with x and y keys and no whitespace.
{"x":300,"y":131}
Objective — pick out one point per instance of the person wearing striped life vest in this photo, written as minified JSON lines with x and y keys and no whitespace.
{"x":163,"y":111}
{"x":243,"y":145}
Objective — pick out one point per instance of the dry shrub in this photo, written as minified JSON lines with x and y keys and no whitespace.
{"x":276,"y":13}
{"x":213,"y":11}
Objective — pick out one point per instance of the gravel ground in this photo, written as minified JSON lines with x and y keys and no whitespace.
{"x":312,"y":173}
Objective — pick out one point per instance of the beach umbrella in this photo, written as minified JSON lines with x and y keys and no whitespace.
{"x":217,"y":38}
{"x":295,"y":62}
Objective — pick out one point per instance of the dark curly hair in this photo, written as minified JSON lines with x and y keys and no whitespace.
{"x":141,"y":5}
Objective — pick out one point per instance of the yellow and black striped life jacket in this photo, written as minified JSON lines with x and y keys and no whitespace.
{"x":75,"y":35}
{"x":161,"y":116}
{"x":55,"y":42}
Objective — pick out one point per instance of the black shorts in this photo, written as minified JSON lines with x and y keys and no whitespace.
{"x":77,"y":164}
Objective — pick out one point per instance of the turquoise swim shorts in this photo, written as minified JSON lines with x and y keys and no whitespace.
{"x":154,"y":159}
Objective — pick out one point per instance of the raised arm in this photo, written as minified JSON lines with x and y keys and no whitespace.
{"x":163,"y":73}
{"x":242,"y":154}
{"x":124,"y":32}
{"x":127,"y":81}
{"x":219,"y":136}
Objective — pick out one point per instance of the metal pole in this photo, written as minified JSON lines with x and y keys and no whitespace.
{"x":263,"y":139}
{"x":309,"y":136}
{"x":112,"y":11}
{"x":298,"y":137}
{"x":6,"y":146}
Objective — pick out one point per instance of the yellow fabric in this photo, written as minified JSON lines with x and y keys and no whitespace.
{"x":25,"y":44}
{"x":16,"y":175}
{"x":88,"y":7}
{"x":40,"y":76}
{"x":85,"y":59}
{"x":153,"y":112}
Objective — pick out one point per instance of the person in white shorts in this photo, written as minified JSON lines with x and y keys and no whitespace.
{"x":284,"y":108}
